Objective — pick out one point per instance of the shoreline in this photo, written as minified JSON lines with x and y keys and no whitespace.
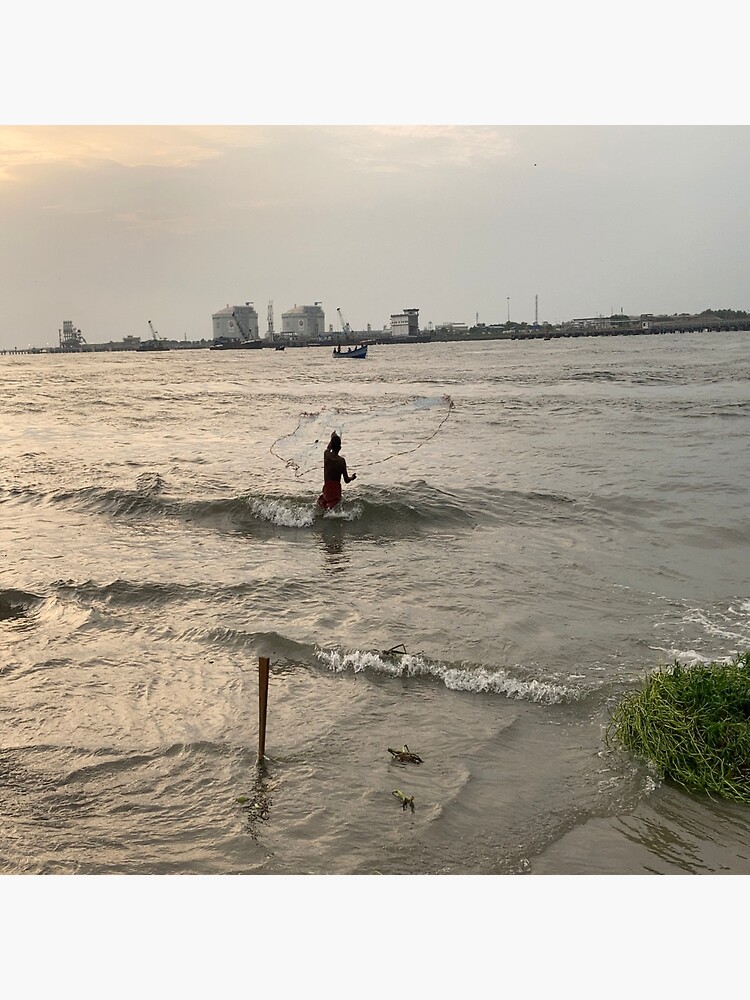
{"x":472,"y":336}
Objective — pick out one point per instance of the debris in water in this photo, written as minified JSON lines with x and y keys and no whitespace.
{"x":399,"y":650}
{"x":405,"y":756}
{"x":405,"y":800}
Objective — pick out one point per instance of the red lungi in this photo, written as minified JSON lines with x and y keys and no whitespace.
{"x":331,"y":494}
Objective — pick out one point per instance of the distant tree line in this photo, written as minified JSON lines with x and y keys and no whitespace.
{"x":725,"y":313}
{"x":729,"y":314}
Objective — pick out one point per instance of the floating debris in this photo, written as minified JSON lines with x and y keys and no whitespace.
{"x":405,"y":800}
{"x":399,"y":650}
{"x":405,"y":756}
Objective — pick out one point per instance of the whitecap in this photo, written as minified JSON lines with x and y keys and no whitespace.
{"x":692,"y":658}
{"x":283,"y":513}
{"x":466,"y":677}
{"x":342,"y":513}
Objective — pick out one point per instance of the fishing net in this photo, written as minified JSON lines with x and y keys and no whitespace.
{"x":382,"y":432}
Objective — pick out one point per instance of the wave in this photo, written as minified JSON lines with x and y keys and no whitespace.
{"x":126,"y":593}
{"x":76,"y":604}
{"x":378,"y":510}
{"x":288,"y":654}
{"x":740,"y":408}
{"x":17,"y":603}
{"x":596,"y":376}
{"x":370,"y":510}
{"x":471,"y":677}
{"x":374,"y":511}
{"x":411,"y":508}
{"x":285,"y":652}
{"x":474,"y":678}
{"x":24,"y":613}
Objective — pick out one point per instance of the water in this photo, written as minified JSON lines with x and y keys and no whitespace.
{"x":534,"y":527}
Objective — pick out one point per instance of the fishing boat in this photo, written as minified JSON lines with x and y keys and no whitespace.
{"x":351,"y":352}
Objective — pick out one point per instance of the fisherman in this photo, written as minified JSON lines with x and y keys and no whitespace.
{"x":334,"y":467}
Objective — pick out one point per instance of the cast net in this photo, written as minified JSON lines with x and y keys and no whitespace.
{"x":381,"y":432}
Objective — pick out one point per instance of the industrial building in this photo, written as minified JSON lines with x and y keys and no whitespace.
{"x":303,"y":323}
{"x":405,"y":324}
{"x":235,"y":324}
{"x":70,"y":337}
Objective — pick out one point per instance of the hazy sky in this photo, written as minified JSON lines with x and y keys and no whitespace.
{"x":110,"y":218}
{"x":113,"y":226}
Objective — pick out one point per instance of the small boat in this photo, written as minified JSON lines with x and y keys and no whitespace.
{"x":351,"y":352}
{"x":279,"y":347}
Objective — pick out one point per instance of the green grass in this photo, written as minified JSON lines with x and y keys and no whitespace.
{"x":693,"y":724}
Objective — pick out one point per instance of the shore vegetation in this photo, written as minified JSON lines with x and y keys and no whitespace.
{"x":693,"y":724}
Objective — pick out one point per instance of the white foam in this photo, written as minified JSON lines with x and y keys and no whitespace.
{"x":344,"y":513}
{"x":464,"y":678}
{"x":283,"y":513}
{"x":691,"y":658}
{"x":498,"y":682}
{"x":720,"y":625}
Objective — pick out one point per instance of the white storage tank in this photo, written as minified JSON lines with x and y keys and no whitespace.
{"x":304,"y":322}
{"x":236,"y":323}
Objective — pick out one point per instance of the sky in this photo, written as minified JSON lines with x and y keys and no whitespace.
{"x":469,"y":173}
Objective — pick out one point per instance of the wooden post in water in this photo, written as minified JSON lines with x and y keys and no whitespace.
{"x":263,"y":670}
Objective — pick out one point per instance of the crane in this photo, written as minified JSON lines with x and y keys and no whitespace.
{"x":155,"y":344}
{"x":244,"y":336}
{"x":344,"y":323}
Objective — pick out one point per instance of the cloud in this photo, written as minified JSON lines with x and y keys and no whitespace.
{"x":125,"y":145}
{"x":396,"y":148}
{"x":375,"y":148}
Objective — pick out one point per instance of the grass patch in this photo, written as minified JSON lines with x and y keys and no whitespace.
{"x":693,"y":724}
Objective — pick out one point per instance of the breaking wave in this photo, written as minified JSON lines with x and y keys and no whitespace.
{"x":474,"y":678}
{"x":414,"y":505}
